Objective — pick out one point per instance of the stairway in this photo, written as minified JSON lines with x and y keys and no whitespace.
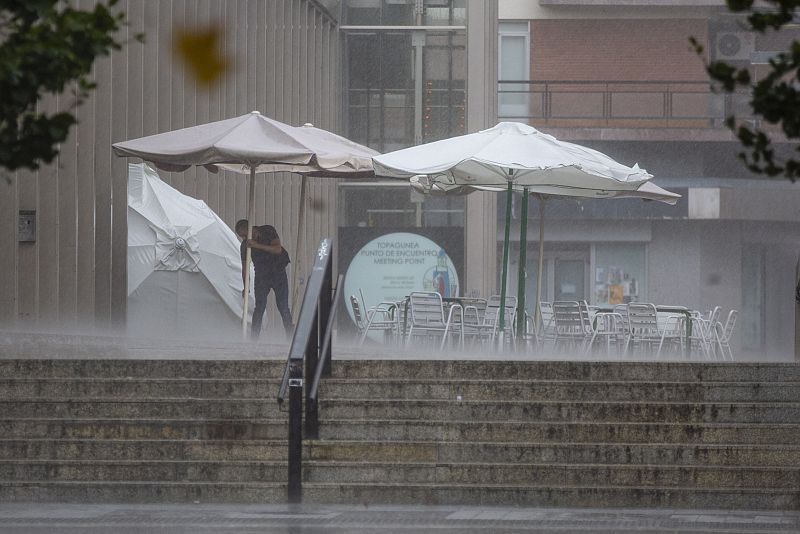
{"x":612,"y":434}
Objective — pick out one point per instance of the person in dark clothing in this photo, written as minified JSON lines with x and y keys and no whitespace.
{"x":270,"y":260}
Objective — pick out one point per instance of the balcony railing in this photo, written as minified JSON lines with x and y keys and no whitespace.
{"x":621,"y":104}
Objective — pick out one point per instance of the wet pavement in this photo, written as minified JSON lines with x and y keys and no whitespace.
{"x":313,"y":519}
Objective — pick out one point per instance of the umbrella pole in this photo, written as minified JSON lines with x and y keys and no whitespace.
{"x":522,"y":275}
{"x":537,"y":316}
{"x":505,"y":266}
{"x":251,"y":216}
{"x":300,"y":220}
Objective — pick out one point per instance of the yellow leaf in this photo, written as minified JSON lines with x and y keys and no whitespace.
{"x":197,"y":48}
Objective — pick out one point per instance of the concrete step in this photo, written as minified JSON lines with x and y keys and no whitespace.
{"x":410,"y":369}
{"x":144,"y":471}
{"x":197,"y":429}
{"x":404,"y":451}
{"x":590,"y":371}
{"x":142,"y":492}
{"x":556,"y":475}
{"x":552,"y":390}
{"x":633,"y":411}
{"x":244,"y":388}
{"x":139,"y":368}
{"x":430,"y":494}
{"x":559,"y":432}
{"x":402,"y":430}
{"x":137,"y":388}
{"x":147,"y":450}
{"x":430,"y":410}
{"x":548,"y":496}
{"x":561,"y":453}
{"x":143,"y":408}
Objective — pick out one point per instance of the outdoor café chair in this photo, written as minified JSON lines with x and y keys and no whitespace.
{"x":610,"y":328}
{"x":382,"y":318}
{"x":546,"y":329}
{"x":644,"y":330}
{"x":570,"y":330}
{"x":426,"y":317}
{"x":723,"y":334}
{"x":491,"y":318}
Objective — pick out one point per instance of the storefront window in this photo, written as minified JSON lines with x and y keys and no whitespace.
{"x":619,"y":273}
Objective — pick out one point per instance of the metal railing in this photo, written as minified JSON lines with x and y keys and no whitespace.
{"x":313,"y":352}
{"x":619,"y":103}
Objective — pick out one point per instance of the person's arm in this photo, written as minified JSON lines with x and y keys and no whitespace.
{"x":274,"y":246}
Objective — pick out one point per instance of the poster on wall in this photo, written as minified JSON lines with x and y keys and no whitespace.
{"x":390,"y":267}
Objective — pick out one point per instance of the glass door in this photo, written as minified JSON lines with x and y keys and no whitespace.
{"x":570,"y":279}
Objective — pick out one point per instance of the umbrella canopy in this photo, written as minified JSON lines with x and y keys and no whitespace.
{"x":646,"y":191}
{"x":510,"y":152}
{"x":512,"y":155}
{"x":184,"y":269}
{"x":252,"y":144}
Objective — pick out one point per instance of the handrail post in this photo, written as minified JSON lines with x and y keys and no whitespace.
{"x":295,"y":493}
{"x":305,"y":345}
{"x":313,"y":353}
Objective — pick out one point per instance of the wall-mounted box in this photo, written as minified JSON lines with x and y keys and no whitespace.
{"x":26,"y":228}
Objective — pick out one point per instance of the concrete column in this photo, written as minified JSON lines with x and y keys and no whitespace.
{"x":481,"y":208}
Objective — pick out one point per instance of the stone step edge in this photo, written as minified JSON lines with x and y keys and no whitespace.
{"x":416,"y":485}
{"x":271,"y":400}
{"x":308,"y":443}
{"x":399,"y":464}
{"x":404,"y":381}
{"x":400,"y":422}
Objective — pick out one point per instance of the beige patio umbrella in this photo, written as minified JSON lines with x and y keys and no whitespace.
{"x":252,"y":144}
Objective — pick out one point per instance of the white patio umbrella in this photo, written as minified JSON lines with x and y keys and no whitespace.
{"x":184,"y":268}
{"x":513,"y":154}
{"x":252,"y":144}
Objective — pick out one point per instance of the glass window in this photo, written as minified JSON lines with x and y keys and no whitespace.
{"x":396,"y":206}
{"x":619,"y":273}
{"x":514,"y":64}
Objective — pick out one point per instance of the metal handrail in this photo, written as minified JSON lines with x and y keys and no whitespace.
{"x":326,"y":341}
{"x":314,"y":312}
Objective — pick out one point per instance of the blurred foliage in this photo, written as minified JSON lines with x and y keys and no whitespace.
{"x":46,"y":46}
{"x":198,"y":48}
{"x":775,"y":98}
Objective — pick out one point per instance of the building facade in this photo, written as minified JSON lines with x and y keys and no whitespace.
{"x":622,"y":77}
{"x":63,"y":228}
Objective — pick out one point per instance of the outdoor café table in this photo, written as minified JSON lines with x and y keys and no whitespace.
{"x":673,"y":310}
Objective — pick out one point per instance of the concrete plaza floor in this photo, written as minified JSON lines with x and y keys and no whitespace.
{"x":313,"y":519}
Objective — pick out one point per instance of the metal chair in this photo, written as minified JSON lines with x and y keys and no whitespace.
{"x":609,"y":327}
{"x":570,"y":330}
{"x":426,"y":317}
{"x":723,"y":334}
{"x":382,"y":318}
{"x":644,"y":329}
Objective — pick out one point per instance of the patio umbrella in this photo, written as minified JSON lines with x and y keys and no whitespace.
{"x":512,"y":154}
{"x":252,"y":144}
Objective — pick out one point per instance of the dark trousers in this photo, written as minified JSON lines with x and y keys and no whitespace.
{"x":278,"y":282}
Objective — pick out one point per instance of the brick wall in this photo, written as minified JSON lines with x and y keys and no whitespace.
{"x":646,"y":50}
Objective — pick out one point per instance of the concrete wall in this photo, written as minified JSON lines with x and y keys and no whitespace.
{"x":285,"y":57}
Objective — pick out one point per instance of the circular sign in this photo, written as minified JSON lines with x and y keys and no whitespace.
{"x":390,"y":267}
